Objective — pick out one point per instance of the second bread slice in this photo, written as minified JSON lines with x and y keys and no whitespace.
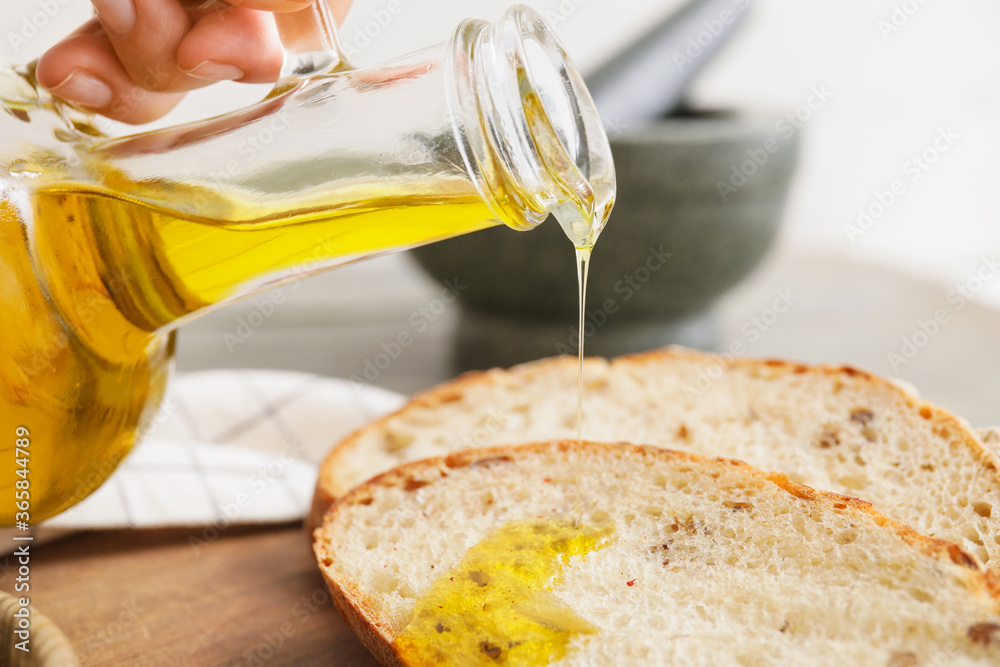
{"x":837,"y":429}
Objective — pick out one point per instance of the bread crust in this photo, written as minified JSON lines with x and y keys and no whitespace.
{"x":328,"y":488}
{"x":377,"y":637}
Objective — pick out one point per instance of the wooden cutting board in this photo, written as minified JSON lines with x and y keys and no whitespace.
{"x":251,"y":597}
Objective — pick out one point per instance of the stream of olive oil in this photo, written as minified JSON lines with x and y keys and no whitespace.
{"x":582,"y":268}
{"x":496,"y":606}
{"x":582,"y":229}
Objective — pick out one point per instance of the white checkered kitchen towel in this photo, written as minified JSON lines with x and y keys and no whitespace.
{"x":227,"y":447}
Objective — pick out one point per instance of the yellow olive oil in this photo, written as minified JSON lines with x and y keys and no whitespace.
{"x":497,"y":607}
{"x":84,"y":342}
{"x":172,"y":263}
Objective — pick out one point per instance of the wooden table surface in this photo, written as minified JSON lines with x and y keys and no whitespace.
{"x":252,"y":597}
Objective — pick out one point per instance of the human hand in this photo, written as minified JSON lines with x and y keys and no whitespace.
{"x":137,"y":58}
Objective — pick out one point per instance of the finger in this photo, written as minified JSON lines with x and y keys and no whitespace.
{"x":145,"y":35}
{"x":233,"y":43}
{"x":84,"y":69}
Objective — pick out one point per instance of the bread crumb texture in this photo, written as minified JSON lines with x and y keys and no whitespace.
{"x":837,"y":429}
{"x":711,"y":562}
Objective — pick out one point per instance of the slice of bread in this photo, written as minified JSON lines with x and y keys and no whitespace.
{"x":837,"y":429}
{"x":710,"y":562}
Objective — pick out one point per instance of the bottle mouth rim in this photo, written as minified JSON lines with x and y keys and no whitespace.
{"x":541,"y":123}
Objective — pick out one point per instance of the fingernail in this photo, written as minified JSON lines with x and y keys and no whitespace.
{"x":213,"y":71}
{"x":84,"y":89}
{"x":118,"y":16}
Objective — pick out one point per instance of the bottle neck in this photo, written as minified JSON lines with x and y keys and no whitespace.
{"x":532,"y":136}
